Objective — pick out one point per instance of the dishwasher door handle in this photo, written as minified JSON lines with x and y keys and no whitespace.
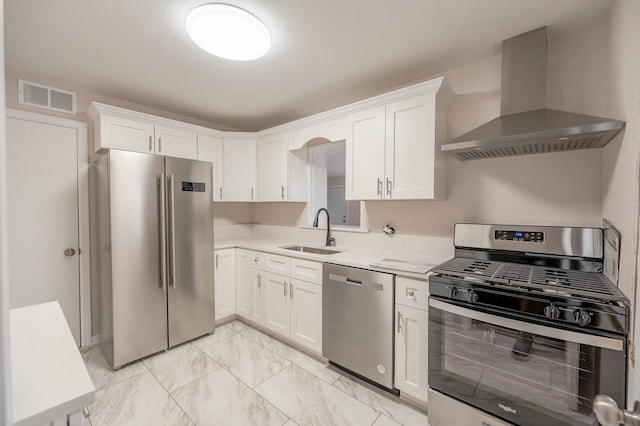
{"x":343,"y":279}
{"x":354,"y":282}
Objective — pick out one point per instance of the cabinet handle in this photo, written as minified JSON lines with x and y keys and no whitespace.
{"x":216,"y":260}
{"x":291,"y":290}
{"x":159,"y":144}
{"x":252,"y":193}
{"x":388,"y":187}
{"x":221,"y":193}
{"x":282,"y":191}
{"x":284,"y":288}
{"x":399,"y":321}
{"x":379,"y":187}
{"x":259,"y":281}
{"x":150,"y":142}
{"x":255,"y":260}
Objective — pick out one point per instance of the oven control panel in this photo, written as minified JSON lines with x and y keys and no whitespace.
{"x":526,"y":236}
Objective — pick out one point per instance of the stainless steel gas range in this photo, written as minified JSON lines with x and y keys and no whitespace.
{"x":524,"y":328}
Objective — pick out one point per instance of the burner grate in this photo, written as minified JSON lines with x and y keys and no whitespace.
{"x":578,"y":283}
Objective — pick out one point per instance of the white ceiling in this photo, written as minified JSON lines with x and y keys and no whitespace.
{"x":325,"y":53}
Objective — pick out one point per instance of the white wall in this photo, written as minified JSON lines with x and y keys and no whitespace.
{"x":620,"y":157}
{"x":5,"y":379}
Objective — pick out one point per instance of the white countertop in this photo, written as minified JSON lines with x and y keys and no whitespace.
{"x":355,"y":257}
{"x":48,"y":377}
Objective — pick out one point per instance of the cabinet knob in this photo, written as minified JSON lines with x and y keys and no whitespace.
{"x":69,"y":252}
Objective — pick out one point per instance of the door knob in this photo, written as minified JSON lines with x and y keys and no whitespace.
{"x":69,"y":252}
{"x":608,"y":413}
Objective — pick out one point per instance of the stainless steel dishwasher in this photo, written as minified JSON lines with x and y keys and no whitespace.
{"x":357,"y":322}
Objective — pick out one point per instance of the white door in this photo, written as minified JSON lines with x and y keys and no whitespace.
{"x":306,"y":314}
{"x":243,"y":282}
{"x":225,"y":282}
{"x":239,"y":169}
{"x":410,"y":148}
{"x":43,"y":218}
{"x":257,"y":296}
{"x":272,"y":164}
{"x":411,"y":354}
{"x":277,"y":303}
{"x":176,"y":142}
{"x":365,"y":154}
{"x":211,"y":149}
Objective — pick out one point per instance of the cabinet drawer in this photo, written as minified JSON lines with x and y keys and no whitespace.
{"x":306,"y":270}
{"x":272,"y":263}
{"x":412,"y":293}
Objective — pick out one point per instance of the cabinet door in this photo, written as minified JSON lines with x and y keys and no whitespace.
{"x":411,"y":352}
{"x":211,"y":149}
{"x":277,"y":308}
{"x":306,"y":314}
{"x":365,"y":155}
{"x":225,"y":282}
{"x":239,"y":169}
{"x":126,"y":134}
{"x":410,"y":148}
{"x":273,"y":167}
{"x":257,"y":296}
{"x":176,"y":142}
{"x":244,"y":261}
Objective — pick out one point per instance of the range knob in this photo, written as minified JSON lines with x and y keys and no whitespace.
{"x":472,"y":296}
{"x":552,"y":311}
{"x":582,"y":317}
{"x":453,"y":292}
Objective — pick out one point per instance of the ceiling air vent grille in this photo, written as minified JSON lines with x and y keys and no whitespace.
{"x":46,"y":97}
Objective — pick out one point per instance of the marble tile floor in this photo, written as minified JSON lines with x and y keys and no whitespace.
{"x":237,"y":376}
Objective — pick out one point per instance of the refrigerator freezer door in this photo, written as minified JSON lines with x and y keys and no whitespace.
{"x":139,"y":300}
{"x":190,"y":249}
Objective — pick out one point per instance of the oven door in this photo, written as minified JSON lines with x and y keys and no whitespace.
{"x":524,"y":372}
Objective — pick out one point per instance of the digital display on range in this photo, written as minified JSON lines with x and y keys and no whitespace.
{"x":193,"y":186}
{"x":526,"y":236}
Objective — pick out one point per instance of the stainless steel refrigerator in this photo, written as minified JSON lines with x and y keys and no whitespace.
{"x":155,"y":252}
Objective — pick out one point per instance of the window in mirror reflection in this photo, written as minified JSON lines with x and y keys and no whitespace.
{"x":328,"y":165}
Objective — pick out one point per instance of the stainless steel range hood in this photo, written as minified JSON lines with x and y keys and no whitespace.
{"x":525,"y":126}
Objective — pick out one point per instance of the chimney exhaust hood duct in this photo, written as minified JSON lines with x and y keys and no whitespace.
{"x":525,"y":126}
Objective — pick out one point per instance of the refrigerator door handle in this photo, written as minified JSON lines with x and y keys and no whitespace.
{"x":172,"y":232}
{"x":162,"y":191}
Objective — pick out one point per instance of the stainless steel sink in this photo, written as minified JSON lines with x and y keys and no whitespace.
{"x":314,"y":250}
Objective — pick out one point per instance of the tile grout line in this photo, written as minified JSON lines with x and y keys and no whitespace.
{"x":172,"y":398}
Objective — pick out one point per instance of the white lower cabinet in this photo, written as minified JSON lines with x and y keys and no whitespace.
{"x":225,"y":282}
{"x":288,"y":306}
{"x":256,"y":312}
{"x":277,"y":317}
{"x":411,"y":343}
{"x":244,"y":274}
{"x":306,"y":314}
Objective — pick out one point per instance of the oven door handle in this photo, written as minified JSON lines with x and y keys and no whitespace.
{"x":556,"y":333}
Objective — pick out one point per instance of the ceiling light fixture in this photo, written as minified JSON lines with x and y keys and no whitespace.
{"x":228,"y":32}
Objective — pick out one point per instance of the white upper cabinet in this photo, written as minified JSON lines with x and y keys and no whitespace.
{"x":282,"y":173}
{"x":411,"y":149}
{"x":273,"y":167}
{"x":117,"y":128}
{"x":240,"y":169}
{"x":176,"y":142}
{"x":211,"y":149}
{"x":393,"y":150}
{"x":365,"y":154}
{"x":123,"y":133}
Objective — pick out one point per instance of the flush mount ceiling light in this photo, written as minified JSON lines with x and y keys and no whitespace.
{"x":228,"y":32}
